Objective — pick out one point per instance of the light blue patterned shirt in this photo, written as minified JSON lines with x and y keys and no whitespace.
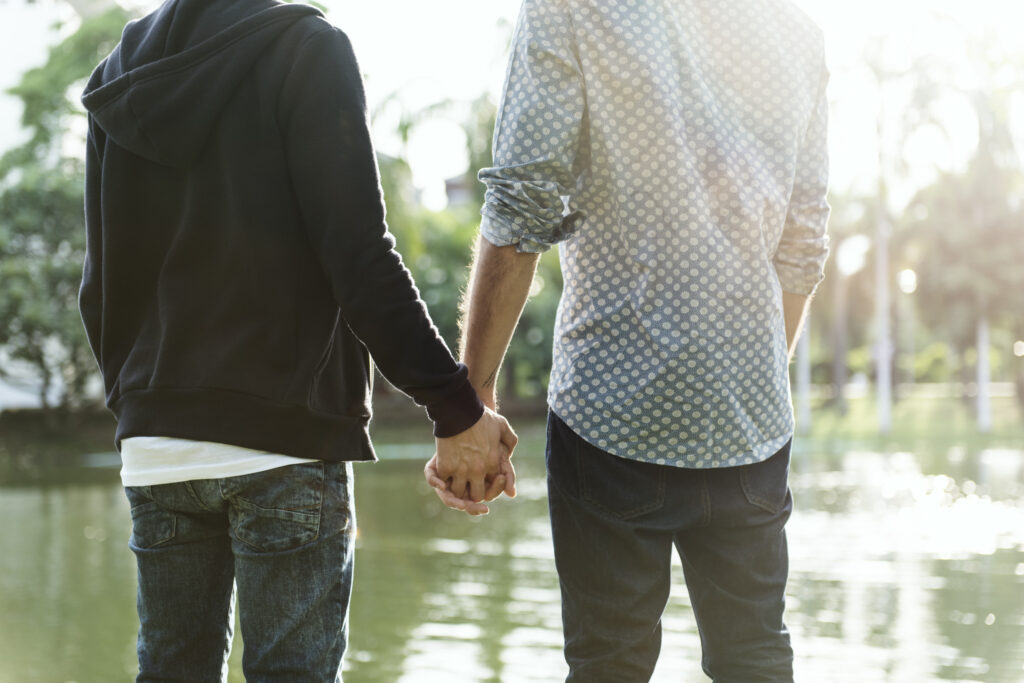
{"x":676,"y":150}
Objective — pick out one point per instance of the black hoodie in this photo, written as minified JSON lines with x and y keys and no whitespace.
{"x":237,"y":256}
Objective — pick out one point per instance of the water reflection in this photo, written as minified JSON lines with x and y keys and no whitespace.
{"x":66,"y":587}
{"x":890,"y":558}
{"x":905,"y":567}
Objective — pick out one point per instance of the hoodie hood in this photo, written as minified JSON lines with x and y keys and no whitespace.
{"x":162,"y":89}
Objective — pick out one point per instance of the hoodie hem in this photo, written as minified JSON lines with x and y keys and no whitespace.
{"x":243,"y":420}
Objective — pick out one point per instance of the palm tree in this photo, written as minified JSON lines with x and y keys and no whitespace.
{"x":968,"y":226}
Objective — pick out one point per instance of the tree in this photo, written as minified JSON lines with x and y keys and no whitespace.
{"x":437,"y":246}
{"x":969,"y":226}
{"x":844,"y":310}
{"x":42,"y":236}
{"x":970,"y":243}
{"x":42,"y":242}
{"x":479,"y":129}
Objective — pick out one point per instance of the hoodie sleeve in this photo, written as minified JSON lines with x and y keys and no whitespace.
{"x":334,"y":173}
{"x":90,"y":295}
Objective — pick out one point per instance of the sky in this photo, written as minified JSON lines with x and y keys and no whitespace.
{"x":455,"y":50}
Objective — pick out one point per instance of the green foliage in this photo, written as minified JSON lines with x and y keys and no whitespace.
{"x":528,"y":362}
{"x":42,"y":236}
{"x":859,"y":361}
{"x":440,"y":264}
{"x":844,"y":304}
{"x":479,"y":133}
{"x":965,"y":232}
{"x":400,"y":198}
{"x":437,"y":247}
{"x":970,"y":244}
{"x":935,"y":363}
{"x":42,"y":244}
{"x":919,"y":424}
{"x":44,"y":90}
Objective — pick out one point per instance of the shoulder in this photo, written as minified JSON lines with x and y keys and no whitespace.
{"x":800,"y":23}
{"x":316,"y":31}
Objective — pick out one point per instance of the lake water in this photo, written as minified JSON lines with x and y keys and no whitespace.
{"x":904,"y":567}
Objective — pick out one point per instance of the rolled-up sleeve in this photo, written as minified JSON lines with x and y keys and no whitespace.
{"x":536,"y":136}
{"x":803,"y":249}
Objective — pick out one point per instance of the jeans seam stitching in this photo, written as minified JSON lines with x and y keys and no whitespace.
{"x":756,"y":500}
{"x":323,"y":494}
{"x":162,"y":541}
{"x":195,"y":497}
{"x":620,"y":515}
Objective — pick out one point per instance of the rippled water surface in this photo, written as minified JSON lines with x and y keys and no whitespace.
{"x":904,"y":567}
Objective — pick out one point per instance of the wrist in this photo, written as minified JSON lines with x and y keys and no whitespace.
{"x":456,"y":413}
{"x":489,"y":399}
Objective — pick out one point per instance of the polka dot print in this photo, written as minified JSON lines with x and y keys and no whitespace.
{"x":676,"y":152}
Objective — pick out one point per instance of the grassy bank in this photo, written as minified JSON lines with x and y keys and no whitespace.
{"x":916,"y":422}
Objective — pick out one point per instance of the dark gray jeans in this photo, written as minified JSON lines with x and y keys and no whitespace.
{"x":614,"y":523}
{"x":284,"y":536}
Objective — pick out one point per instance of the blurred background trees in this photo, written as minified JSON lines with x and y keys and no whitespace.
{"x":42,"y":237}
{"x":955,"y":309}
{"x":955,"y":235}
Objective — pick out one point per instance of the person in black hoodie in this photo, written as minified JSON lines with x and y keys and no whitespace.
{"x":239,"y":273}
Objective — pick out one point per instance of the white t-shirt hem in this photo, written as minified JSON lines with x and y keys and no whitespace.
{"x":155,"y":460}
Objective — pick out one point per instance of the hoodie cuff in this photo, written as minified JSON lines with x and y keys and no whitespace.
{"x":456,"y":412}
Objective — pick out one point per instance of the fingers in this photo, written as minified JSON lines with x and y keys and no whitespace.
{"x":509,"y":437}
{"x":509,"y":440}
{"x":459,"y":486}
{"x":459,"y":503}
{"x":450,"y":499}
{"x":508,"y":472}
{"x":477,"y":509}
{"x":431,"y":475}
{"x":456,"y":503}
{"x":473,"y":467}
{"x":495,"y":487}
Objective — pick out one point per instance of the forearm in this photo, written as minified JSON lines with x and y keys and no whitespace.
{"x":334,"y":174}
{"x":499,"y":285}
{"x":794,"y":308}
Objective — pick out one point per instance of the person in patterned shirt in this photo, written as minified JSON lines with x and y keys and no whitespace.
{"x":676,"y":152}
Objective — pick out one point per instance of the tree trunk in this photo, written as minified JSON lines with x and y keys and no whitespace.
{"x":984,"y":405}
{"x":839,"y":334}
{"x":1020,"y":388}
{"x":883,"y":343}
{"x":45,"y":382}
{"x":803,"y":379}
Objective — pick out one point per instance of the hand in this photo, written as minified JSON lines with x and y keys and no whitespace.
{"x":475,"y":465}
{"x":495,"y":486}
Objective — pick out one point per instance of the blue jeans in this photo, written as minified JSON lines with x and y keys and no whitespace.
{"x":282,"y":538}
{"x":614,"y":523}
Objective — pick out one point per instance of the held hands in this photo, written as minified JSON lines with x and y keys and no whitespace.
{"x":474,"y":466}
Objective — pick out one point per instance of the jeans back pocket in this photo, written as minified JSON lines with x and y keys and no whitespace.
{"x":766,"y":483}
{"x":623,"y":488}
{"x":618,"y":487}
{"x":279,"y":509}
{"x":152,"y":526}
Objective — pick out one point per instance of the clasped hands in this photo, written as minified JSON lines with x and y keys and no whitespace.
{"x":475,"y":466}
